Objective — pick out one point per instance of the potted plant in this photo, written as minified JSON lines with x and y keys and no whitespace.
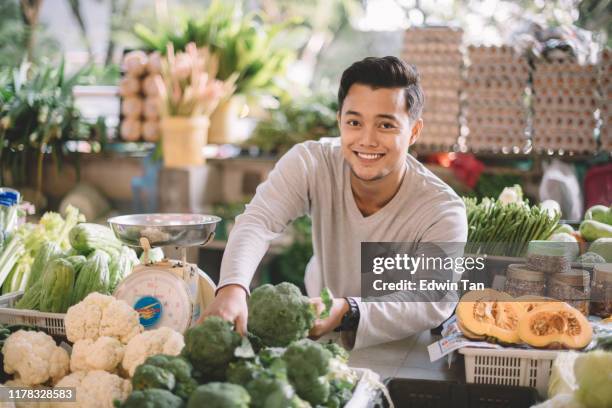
{"x":188,"y":94}
{"x":244,"y":44}
{"x":37,"y":117}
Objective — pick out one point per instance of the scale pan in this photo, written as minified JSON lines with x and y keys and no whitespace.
{"x":181,"y":230}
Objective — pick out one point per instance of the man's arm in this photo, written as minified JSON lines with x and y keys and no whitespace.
{"x":385,"y":321}
{"x":279,"y":200}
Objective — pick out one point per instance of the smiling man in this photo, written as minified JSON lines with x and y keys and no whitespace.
{"x":363,"y":187}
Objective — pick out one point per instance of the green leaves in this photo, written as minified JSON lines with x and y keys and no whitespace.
{"x":38,"y":115}
{"x":328,"y":301}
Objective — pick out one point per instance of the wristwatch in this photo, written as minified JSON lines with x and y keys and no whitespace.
{"x":350,"y":320}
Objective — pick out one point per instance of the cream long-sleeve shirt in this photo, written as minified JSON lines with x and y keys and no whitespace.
{"x":312,"y":178}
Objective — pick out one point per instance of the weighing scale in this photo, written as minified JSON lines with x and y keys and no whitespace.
{"x":169,"y":293}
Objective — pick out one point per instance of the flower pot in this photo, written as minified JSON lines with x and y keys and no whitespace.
{"x":183,"y":139}
{"x":225,"y":122}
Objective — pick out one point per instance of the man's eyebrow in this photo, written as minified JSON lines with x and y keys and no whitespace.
{"x":386,"y":116}
{"x":380,"y":115}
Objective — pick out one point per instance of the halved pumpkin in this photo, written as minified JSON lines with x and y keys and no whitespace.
{"x":555,"y":325}
{"x":530,"y":302}
{"x":491,"y":314}
{"x":469,"y":334}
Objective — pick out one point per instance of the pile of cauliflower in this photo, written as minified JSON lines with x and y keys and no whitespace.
{"x":108,"y":344}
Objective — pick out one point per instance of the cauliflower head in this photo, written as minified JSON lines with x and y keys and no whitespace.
{"x":101,"y":315}
{"x":34,"y":358}
{"x":105,"y":353}
{"x":210,"y":347}
{"x":149,"y":343}
{"x":96,"y":389}
{"x":280,"y":314}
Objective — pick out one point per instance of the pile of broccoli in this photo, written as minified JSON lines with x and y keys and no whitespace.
{"x":219,"y":368}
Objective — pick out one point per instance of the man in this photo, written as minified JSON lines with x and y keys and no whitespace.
{"x":364,"y":187}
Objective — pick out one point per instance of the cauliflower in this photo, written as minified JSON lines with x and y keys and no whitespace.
{"x":101,"y":315}
{"x":105,"y":353}
{"x":23,"y":404}
{"x":280,"y":314}
{"x":34,"y":358}
{"x":96,"y":389}
{"x":149,"y":343}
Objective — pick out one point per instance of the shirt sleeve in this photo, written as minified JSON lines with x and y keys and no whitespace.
{"x":388,"y":320}
{"x":283,"y":197}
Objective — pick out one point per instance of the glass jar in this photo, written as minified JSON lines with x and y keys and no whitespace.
{"x":548,"y":257}
{"x":601,"y":290}
{"x":571,"y":287}
{"x":521,"y":281}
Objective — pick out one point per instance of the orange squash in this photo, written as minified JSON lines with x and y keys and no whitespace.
{"x":555,"y":325}
{"x":530,"y":302}
{"x":490,"y":314}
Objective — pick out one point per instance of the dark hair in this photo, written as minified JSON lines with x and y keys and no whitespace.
{"x":386,"y":72}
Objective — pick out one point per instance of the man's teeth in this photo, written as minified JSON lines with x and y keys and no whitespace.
{"x":369,"y":156}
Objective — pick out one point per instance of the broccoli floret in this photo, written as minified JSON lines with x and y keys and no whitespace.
{"x":210,"y":347}
{"x":152,"y":398}
{"x":269,"y":355}
{"x":337,"y":351}
{"x":267,"y":386}
{"x":219,"y":395}
{"x":243,"y":372}
{"x":308,"y":364}
{"x":148,"y":376}
{"x":280,"y":314}
{"x":180,"y":368}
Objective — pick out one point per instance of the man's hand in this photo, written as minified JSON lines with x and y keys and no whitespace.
{"x":230,"y":304}
{"x":323,"y":326}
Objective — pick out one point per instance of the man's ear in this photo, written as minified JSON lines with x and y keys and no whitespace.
{"x":416,"y":131}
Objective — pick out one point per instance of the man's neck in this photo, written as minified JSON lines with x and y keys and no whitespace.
{"x":371,"y":196}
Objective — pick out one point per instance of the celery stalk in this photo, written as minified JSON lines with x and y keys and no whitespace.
{"x":9,"y":257}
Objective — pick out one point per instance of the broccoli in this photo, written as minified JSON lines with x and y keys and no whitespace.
{"x":279,"y":314}
{"x":267,"y":386}
{"x":210,"y":347}
{"x":219,"y":395}
{"x":152,"y":398}
{"x":308,"y":364}
{"x":148,"y":376}
{"x":337,"y":351}
{"x":180,"y":368}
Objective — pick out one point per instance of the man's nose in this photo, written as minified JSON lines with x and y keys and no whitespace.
{"x":369,"y":137}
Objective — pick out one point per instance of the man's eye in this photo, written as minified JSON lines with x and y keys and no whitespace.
{"x":352,"y":123}
{"x":387,"y":125}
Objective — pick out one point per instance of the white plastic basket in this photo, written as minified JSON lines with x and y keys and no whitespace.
{"x":52,"y":323}
{"x":509,"y":366}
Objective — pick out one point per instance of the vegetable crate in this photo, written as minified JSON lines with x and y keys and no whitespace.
{"x":52,"y":323}
{"x":528,"y":368}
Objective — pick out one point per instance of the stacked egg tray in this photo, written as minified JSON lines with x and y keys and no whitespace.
{"x":494,"y":99}
{"x":605,"y":73}
{"x":564,"y":103}
{"x":139,"y":119}
{"x":436,"y":53}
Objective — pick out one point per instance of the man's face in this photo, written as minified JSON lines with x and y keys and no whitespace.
{"x":376,"y":131}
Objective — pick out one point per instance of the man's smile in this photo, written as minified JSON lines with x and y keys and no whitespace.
{"x":368,"y":157}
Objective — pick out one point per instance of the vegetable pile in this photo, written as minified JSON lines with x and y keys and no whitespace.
{"x":115,"y":363}
{"x":219,"y":368}
{"x":506,"y":225}
{"x":536,"y":321}
{"x":59,"y":261}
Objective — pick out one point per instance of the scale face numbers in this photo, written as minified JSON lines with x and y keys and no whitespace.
{"x":160,"y":297}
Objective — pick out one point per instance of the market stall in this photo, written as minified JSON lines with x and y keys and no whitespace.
{"x":234,"y":204}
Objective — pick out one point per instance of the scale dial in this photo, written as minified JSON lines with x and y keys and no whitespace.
{"x":160,"y":297}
